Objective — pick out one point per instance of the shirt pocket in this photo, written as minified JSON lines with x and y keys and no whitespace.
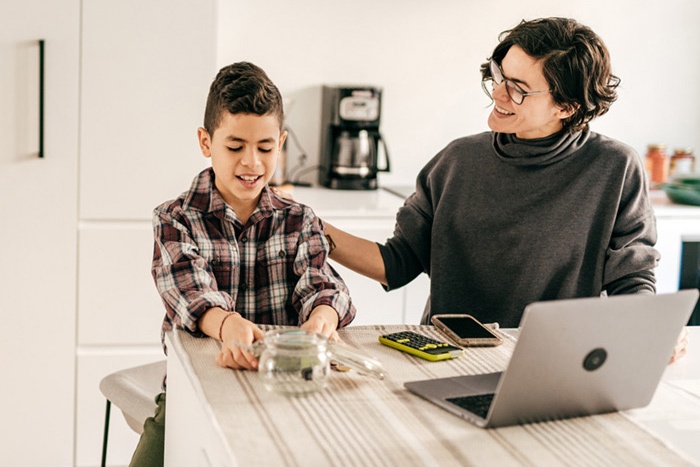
{"x":277,"y":258}
{"x":223,"y":261}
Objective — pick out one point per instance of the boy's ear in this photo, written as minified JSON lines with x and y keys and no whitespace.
{"x":283,"y":138}
{"x":204,"y":141}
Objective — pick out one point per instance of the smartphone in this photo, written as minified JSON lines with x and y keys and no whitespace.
{"x":466,"y":330}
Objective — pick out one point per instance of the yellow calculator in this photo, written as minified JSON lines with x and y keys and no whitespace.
{"x":421,"y":346}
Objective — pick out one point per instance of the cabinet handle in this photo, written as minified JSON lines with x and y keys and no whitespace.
{"x":41,"y":98}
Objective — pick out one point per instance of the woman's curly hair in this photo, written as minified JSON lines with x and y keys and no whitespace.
{"x":575,"y":61}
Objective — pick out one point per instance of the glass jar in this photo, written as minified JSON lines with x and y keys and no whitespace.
{"x":657,"y":163}
{"x":682,"y":162}
{"x":294,"y":361}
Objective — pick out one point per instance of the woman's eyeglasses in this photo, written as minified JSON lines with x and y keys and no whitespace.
{"x":515,"y":92}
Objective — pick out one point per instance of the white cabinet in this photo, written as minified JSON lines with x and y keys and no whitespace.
{"x":146,"y":71}
{"x":146,"y":67}
{"x":38,"y":199}
{"x":675,"y":223}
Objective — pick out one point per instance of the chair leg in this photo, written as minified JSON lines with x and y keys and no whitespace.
{"x":106,"y":434}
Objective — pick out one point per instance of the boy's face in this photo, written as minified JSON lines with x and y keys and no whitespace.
{"x":243,"y":151}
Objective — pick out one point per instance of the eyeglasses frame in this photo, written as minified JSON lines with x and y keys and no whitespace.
{"x":492,"y":64}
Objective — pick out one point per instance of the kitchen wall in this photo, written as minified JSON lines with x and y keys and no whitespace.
{"x":426,"y":56}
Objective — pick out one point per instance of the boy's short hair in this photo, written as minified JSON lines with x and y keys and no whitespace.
{"x":575,"y":61}
{"x":242,"y":88}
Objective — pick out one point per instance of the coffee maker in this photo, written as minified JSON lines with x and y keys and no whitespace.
{"x":351,"y":143}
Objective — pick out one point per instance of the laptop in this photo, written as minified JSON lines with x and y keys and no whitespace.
{"x":573,"y":358}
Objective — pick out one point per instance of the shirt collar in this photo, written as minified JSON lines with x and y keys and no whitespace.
{"x":204,"y":196}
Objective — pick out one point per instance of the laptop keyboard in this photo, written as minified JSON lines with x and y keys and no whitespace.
{"x":478,"y":405}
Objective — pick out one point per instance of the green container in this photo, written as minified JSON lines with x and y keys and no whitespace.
{"x":683,"y":190}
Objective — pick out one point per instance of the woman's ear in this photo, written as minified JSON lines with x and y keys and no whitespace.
{"x":568,"y":110}
{"x":204,"y":141}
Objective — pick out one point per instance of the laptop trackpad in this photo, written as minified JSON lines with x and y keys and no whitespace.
{"x":455,"y":386}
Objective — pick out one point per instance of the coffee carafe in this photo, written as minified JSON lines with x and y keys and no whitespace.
{"x":351,"y":144}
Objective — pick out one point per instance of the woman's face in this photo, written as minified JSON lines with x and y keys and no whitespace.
{"x":538,"y":116}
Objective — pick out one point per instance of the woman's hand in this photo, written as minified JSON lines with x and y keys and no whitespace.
{"x":681,"y":346}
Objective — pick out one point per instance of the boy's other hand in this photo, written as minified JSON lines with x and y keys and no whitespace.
{"x":324,"y":320}
{"x":243,"y":331}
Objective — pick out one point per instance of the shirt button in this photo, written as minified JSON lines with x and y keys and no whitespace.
{"x":282,"y":254}
{"x":244,"y":239}
{"x":244,"y":287}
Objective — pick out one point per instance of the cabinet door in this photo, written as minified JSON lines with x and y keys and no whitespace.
{"x":38,"y":235}
{"x":92,"y":365}
{"x":671,"y":234}
{"x":118,"y":303}
{"x":146,"y":71}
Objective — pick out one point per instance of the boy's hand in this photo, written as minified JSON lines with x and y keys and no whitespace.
{"x":324,"y":320}
{"x":243,"y":331}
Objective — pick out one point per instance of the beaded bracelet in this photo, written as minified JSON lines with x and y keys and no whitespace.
{"x":221,"y":326}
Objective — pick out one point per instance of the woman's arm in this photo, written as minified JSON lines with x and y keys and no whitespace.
{"x":358,"y":254}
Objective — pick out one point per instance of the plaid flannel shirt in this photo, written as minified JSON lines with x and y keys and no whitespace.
{"x":273,"y":270}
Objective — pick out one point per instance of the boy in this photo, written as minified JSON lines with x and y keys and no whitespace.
{"x":229,"y":253}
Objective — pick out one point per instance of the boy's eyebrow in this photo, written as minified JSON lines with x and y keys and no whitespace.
{"x":243,"y":140}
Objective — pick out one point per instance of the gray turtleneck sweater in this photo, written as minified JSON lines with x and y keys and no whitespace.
{"x":498,"y":222}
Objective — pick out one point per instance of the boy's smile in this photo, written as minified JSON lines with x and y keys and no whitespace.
{"x":244,"y":150}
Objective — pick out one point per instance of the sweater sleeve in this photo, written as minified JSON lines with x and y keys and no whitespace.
{"x":631,"y":256}
{"x":407,"y":253}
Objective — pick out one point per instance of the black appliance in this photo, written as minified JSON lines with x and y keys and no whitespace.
{"x":350,"y":138}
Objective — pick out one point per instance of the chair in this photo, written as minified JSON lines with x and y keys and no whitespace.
{"x":133,"y":390}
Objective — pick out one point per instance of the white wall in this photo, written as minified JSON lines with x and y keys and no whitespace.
{"x":426,"y":56}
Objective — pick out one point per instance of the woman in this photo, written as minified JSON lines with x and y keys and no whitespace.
{"x":539,"y":208}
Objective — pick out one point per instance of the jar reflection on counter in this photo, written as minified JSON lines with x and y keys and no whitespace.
{"x":682,"y":162}
{"x":657,"y":163}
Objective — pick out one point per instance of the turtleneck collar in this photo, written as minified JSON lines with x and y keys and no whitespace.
{"x":540,"y":151}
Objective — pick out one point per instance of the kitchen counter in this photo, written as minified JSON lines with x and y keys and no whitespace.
{"x":349,"y":203}
{"x":664,"y":207}
{"x":388,"y":199}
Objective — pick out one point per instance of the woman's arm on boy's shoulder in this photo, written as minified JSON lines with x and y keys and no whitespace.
{"x":356,"y":253}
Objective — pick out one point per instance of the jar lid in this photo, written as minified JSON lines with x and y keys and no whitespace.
{"x":656,"y":146}
{"x":683,"y":151}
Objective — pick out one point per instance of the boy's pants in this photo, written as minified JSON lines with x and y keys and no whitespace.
{"x":150,"y":450}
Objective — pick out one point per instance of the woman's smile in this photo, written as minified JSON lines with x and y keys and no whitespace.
{"x":502,"y":111}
